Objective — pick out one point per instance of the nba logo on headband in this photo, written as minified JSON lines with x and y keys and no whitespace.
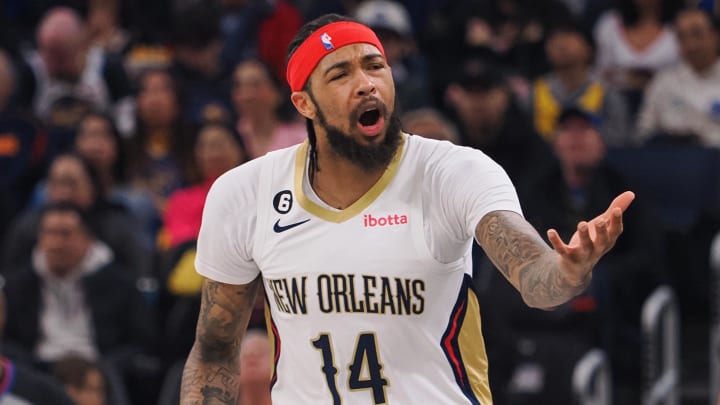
{"x":326,"y":41}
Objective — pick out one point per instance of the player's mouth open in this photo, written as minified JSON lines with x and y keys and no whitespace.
{"x":371,"y":122}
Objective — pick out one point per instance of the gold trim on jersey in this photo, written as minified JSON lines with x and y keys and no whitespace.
{"x":358,"y":206}
{"x":472,"y":350}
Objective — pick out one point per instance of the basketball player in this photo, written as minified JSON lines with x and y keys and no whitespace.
{"x":361,"y":239}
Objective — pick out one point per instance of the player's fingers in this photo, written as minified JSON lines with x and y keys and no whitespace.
{"x":615,"y":223}
{"x":557,"y":242}
{"x":622,"y":201}
{"x":583,"y":230}
{"x":603,"y":240}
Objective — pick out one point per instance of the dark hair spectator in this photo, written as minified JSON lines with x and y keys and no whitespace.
{"x":570,"y":51}
{"x":71,"y":179}
{"x":161,"y":147}
{"x":260,"y":102}
{"x":84,"y":381}
{"x":683,"y":102}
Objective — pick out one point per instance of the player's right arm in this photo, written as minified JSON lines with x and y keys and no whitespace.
{"x":212,"y":368}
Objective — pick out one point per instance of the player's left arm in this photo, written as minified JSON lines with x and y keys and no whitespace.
{"x":548,"y":276}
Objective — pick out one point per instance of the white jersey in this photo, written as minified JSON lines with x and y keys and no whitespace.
{"x":372,"y":304}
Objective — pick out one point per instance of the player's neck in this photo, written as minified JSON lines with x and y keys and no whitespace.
{"x":339,"y":182}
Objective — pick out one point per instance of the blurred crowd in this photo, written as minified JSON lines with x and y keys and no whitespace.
{"x":117,"y":116}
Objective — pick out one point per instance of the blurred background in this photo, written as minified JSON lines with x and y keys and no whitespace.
{"x":117,"y":115}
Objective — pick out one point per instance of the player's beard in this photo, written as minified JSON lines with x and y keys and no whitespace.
{"x":368,"y":157}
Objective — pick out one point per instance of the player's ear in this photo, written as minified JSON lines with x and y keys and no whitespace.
{"x":302,"y":102}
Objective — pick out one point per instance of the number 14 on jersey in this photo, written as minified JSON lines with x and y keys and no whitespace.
{"x":365,"y":368}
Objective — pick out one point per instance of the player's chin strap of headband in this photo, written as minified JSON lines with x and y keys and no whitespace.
{"x":323,"y":41}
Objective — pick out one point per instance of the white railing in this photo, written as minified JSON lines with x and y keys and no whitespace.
{"x":592,"y":382}
{"x":661,"y":329}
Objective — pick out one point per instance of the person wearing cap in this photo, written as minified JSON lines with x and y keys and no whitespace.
{"x":361,"y":238}
{"x":570,"y":51}
{"x":607,"y":315}
{"x":391,"y":22}
{"x":491,"y":120}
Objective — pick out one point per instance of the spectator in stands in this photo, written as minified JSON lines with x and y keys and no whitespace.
{"x":21,"y":385}
{"x":581,"y":184}
{"x":67,"y":76}
{"x":218,"y":148}
{"x":391,"y":21}
{"x":255,"y":369}
{"x":72,"y":179}
{"x":74,"y":298}
{"x":161,"y":147}
{"x":99,"y":142}
{"x":633,"y":42}
{"x":264,"y":121}
{"x":104,"y":27}
{"x":570,"y":49}
{"x":83,"y":380}
{"x":198,"y":65}
{"x":490,"y":119}
{"x":509,"y":33}
{"x":430,"y":123}
{"x":22,"y":147}
{"x":684,"y":101}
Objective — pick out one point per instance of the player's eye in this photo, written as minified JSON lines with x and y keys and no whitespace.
{"x":338,"y":76}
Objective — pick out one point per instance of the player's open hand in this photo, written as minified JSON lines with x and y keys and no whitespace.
{"x":591,"y":240}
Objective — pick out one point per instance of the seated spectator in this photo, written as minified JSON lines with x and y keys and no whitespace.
{"x":263,"y":120}
{"x":21,"y":385}
{"x":633,"y":42}
{"x":198,"y":65}
{"x":159,"y":151}
{"x":99,"y":143}
{"x":491,"y":120}
{"x":83,"y":380}
{"x":391,"y":22}
{"x":255,"y":369}
{"x":684,"y":100}
{"x":569,"y":49}
{"x":218,"y":148}
{"x":580,"y":186}
{"x":71,"y":179}
{"x":74,"y":298}
{"x":67,"y":77}
{"x":22,"y":148}
{"x":430,"y":123}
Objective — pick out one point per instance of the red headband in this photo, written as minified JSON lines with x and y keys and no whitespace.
{"x":322,"y":42}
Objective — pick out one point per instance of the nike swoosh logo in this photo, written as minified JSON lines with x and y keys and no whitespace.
{"x":282,"y":228}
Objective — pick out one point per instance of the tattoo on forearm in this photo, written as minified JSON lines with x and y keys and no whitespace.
{"x":524,"y":258}
{"x":211,"y":371}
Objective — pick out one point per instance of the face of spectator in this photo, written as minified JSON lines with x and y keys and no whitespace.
{"x":578,"y":144}
{"x":96,"y":143}
{"x":68,"y":181}
{"x":255,"y":367}
{"x":157,"y":100}
{"x":63,"y":241}
{"x":698,"y":39}
{"x":217,"y":152}
{"x":253,"y":89}
{"x":567,"y":49}
{"x":92,"y":392}
{"x":481,"y":109}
